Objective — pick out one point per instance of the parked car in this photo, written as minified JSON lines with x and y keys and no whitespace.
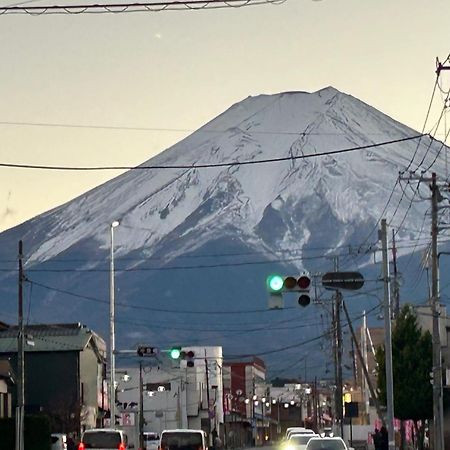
{"x":326,"y":443}
{"x":59,"y":441}
{"x":151,"y":440}
{"x":183,"y":439}
{"x":104,"y":439}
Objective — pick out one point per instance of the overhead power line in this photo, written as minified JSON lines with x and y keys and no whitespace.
{"x":149,"y":6}
{"x":208,"y":131}
{"x":207,"y":166}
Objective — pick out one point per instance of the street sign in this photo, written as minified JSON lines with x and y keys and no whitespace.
{"x":343,"y":280}
{"x":351,"y":409}
{"x":157,"y":387}
{"x":144,"y":350}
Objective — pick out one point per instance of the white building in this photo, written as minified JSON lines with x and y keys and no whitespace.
{"x":174,"y":395}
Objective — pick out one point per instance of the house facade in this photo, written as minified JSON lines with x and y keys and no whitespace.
{"x":64,"y":373}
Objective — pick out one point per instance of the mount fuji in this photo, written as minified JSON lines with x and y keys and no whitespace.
{"x":199,"y":233}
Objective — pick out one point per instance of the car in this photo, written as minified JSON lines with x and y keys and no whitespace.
{"x":151,"y":440}
{"x":299,"y":441}
{"x":183,"y":439}
{"x":298,"y":430}
{"x":326,"y":443}
{"x":59,"y":441}
{"x":104,"y":439}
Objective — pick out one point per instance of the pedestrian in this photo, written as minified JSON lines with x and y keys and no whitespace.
{"x":384,"y":438}
{"x":70,"y":443}
{"x":376,"y":439}
{"x":214,"y":438}
{"x":217,"y":443}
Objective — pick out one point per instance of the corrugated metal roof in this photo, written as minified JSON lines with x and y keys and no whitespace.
{"x":48,"y":338}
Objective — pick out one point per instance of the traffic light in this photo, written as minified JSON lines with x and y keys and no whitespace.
{"x":175,"y":352}
{"x":188,"y":357}
{"x":304,"y":283}
{"x":277,"y":284}
{"x":274,"y":284}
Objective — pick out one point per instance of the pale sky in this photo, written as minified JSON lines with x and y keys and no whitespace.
{"x":177,"y":70}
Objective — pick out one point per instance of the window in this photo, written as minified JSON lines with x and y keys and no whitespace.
{"x":102,"y":439}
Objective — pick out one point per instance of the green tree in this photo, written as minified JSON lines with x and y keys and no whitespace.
{"x":412,"y":364}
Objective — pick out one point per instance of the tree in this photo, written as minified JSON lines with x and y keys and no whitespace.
{"x":412,"y":363}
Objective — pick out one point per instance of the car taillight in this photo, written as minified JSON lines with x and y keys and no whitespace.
{"x":80,"y":446}
{"x":122,"y":447}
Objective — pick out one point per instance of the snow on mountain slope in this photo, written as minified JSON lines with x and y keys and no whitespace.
{"x":154,"y":203}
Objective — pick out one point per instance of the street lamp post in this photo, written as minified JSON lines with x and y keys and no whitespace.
{"x":112,"y":335}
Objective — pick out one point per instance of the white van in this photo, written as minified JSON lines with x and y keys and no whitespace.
{"x":104,"y":439}
{"x":182,"y":439}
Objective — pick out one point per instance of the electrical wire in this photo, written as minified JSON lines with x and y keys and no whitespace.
{"x":176,"y":130}
{"x":118,"y":8}
{"x":213,"y":165}
{"x":296,"y":345}
{"x":148,"y":308}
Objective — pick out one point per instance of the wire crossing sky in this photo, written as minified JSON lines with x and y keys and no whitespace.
{"x":152,"y":79}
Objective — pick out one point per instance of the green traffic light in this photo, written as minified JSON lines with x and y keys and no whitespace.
{"x":275,"y":283}
{"x":175,"y":352}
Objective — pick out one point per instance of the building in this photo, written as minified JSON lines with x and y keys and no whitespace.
{"x":7,"y":384}
{"x":64,"y":373}
{"x":247,"y":415}
{"x":182,"y":393}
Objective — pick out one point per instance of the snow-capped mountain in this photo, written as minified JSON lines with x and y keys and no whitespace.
{"x":202,"y":239}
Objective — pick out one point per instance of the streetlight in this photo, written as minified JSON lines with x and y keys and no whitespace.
{"x":112,"y":337}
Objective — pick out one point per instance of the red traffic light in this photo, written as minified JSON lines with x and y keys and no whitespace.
{"x":304,"y":282}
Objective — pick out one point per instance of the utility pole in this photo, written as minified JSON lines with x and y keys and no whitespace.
{"x":208,"y":400}
{"x":364,"y":364}
{"x":112,"y":332}
{"x":141,"y":407}
{"x":395,"y":290}
{"x":339,"y":389}
{"x":434,"y":304}
{"x":338,"y":355}
{"x":316,"y":425}
{"x":20,"y":410}
{"x":388,"y":337}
